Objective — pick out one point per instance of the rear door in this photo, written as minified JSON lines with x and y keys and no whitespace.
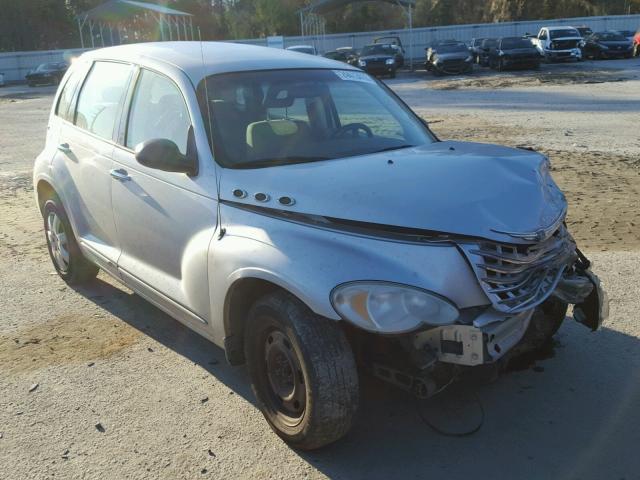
{"x":165,"y":220}
{"x":82,"y":166}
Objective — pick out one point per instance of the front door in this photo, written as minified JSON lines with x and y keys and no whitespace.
{"x":165,"y":220}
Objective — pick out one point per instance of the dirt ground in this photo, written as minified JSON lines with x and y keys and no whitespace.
{"x":97,"y":383}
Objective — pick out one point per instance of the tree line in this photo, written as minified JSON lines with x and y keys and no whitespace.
{"x":51,"y":24}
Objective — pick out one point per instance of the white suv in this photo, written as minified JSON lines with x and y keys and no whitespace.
{"x":294,"y":211}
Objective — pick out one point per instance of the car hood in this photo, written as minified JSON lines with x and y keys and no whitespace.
{"x":522,"y":51}
{"x":457,"y":188}
{"x":615,"y":43}
{"x":452,"y":55}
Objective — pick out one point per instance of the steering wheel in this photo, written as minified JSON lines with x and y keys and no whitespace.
{"x":353,"y":128}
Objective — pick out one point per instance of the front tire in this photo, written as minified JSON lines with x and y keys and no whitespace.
{"x":302,"y":371}
{"x":68,"y":260}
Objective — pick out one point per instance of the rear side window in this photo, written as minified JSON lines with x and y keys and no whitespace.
{"x":66,"y":97}
{"x":158,"y":111}
{"x":100,"y":98}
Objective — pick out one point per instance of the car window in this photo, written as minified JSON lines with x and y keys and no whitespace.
{"x":100,"y":98}
{"x":268,"y":118}
{"x":66,"y":96}
{"x":543,"y":35}
{"x":157,"y":111}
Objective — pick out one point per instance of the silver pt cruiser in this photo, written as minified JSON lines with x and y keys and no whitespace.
{"x":296,"y":212}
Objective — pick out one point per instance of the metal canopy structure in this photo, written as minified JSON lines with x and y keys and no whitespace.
{"x":312,"y":23}
{"x":116,"y":18}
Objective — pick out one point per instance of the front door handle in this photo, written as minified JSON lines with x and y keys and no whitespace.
{"x":64,"y":148}
{"x":120,"y":174}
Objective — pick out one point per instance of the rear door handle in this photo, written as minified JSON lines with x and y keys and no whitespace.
{"x":64,"y":148}
{"x":120,"y":174}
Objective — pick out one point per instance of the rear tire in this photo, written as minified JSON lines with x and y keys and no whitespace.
{"x":68,"y":260}
{"x":302,"y":371}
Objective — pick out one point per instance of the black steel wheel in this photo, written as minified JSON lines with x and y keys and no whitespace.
{"x":302,"y":371}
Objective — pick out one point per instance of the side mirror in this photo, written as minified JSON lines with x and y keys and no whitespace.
{"x":163,"y":154}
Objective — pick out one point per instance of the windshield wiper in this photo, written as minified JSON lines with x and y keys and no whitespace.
{"x":271,"y":162}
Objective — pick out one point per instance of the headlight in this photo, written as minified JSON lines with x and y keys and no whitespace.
{"x":389,"y":61}
{"x":362,"y":63}
{"x":390,"y":307}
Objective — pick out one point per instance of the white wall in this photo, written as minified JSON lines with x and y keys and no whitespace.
{"x":15,"y":65}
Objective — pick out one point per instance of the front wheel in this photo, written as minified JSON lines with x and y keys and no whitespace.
{"x":302,"y":371}
{"x":68,"y":260}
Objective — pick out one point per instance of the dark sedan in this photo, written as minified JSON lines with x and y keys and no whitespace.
{"x":607,"y":45}
{"x":379,"y":59}
{"x":341,"y":55}
{"x":47,"y":74}
{"x":449,"y":57}
{"x":514,"y":52}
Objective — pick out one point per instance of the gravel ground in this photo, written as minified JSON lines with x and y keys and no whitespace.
{"x":120,"y":390}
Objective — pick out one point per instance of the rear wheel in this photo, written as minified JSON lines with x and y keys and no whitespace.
{"x":71,"y":265}
{"x":302,"y":371}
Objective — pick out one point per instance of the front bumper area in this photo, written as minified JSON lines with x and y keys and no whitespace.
{"x":489,"y":338}
{"x":571,"y":54}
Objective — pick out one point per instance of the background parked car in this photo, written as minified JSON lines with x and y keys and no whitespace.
{"x":628,"y":34}
{"x":449,"y":57}
{"x":514,"y":52}
{"x":474,"y":48}
{"x":353,"y":54}
{"x":487,"y":45}
{"x":607,"y":45}
{"x":337,"y":55}
{"x":559,"y":43}
{"x":310,"y":49}
{"x":47,"y":74}
{"x":636,"y":44}
{"x":395,"y":42}
{"x":584,"y":31}
{"x":379,"y":59}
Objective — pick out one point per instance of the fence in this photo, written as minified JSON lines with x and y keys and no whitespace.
{"x":16,"y":65}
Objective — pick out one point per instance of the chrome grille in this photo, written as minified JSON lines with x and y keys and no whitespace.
{"x":517,"y":277}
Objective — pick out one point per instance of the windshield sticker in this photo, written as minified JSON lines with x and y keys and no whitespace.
{"x":354,"y":76}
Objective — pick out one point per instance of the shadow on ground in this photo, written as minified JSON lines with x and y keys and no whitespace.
{"x":573,"y":416}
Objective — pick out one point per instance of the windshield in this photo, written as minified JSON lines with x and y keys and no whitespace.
{"x":378,"y":50}
{"x":514,"y":43}
{"x":460,"y":48}
{"x":611,"y":37}
{"x":276,"y":117}
{"x":568,"y":32}
{"x":45,"y":67}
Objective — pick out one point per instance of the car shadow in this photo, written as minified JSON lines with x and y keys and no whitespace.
{"x":570,"y":412}
{"x":153,"y":322}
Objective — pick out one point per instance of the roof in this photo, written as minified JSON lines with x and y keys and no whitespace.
{"x":219,"y":57}
{"x":323,"y":6}
{"x":115,"y":10}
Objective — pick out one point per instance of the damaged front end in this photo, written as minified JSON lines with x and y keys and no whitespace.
{"x":530,"y":285}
